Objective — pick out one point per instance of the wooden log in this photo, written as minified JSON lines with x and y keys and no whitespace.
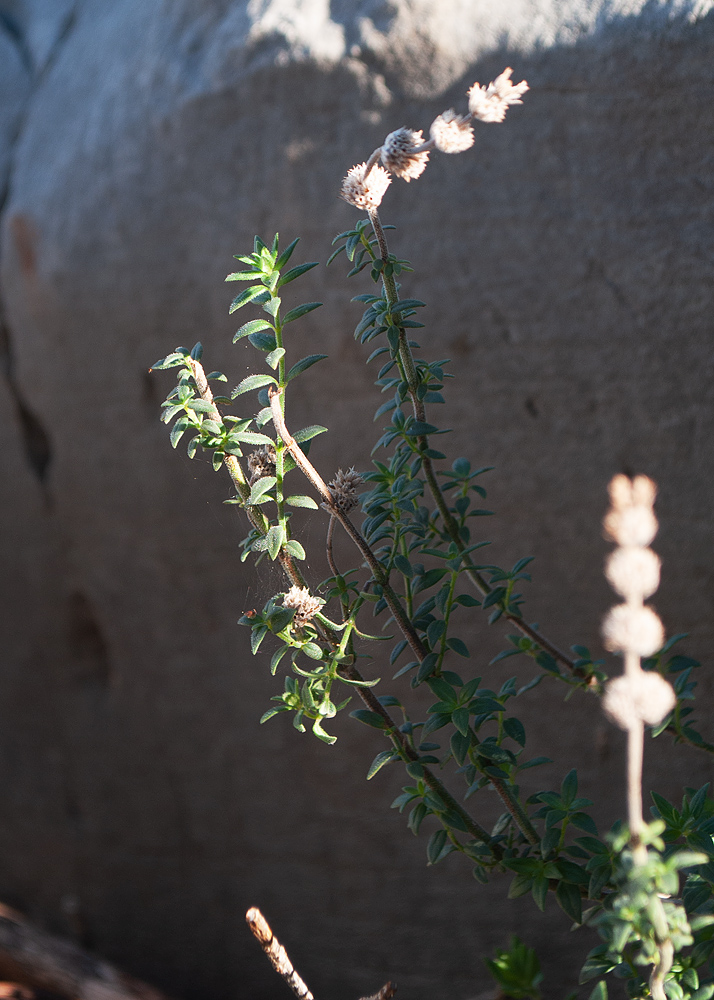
{"x":30,"y":957}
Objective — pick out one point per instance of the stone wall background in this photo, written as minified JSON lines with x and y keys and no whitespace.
{"x":567,"y":265}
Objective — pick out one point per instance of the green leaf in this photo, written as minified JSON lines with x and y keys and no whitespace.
{"x":263,"y":341}
{"x":256,"y":637}
{"x":301,"y":501}
{"x":295,"y":272}
{"x":312,"y":650}
{"x":243,"y":275}
{"x":170,"y":361}
{"x":406,"y":304}
{"x":295,"y":548}
{"x":177,"y":431}
{"x":272,"y":711}
{"x":380,"y":760}
{"x":252,"y":382}
{"x":515,"y":729}
{"x":369,"y":718}
{"x":264,"y":484}
{"x":256,"y":293}
{"x":321,"y":734}
{"x":274,"y":539}
{"x":436,"y":845}
{"x":419,"y":429}
{"x":253,"y":326}
{"x":569,"y":900}
{"x":458,"y":646}
{"x":600,"y":991}
{"x":251,"y":437}
{"x":569,"y":787}
{"x":460,"y":718}
{"x":273,"y":359}
{"x":303,"y":365}
{"x":286,"y":255}
{"x":299,"y":311}
{"x":539,"y":891}
{"x":308,"y":433}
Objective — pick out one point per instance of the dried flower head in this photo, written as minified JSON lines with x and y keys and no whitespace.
{"x":344,"y":489}
{"x":631,"y":629}
{"x":638,"y":697}
{"x":365,"y":192}
{"x":397,"y":154}
{"x":451,"y":133}
{"x":624,"y":492}
{"x":261,"y":463}
{"x":635,"y":525}
{"x":633,"y":572}
{"x":489,"y":104}
{"x":306,"y":606}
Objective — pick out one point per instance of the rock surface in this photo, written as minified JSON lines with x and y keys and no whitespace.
{"x":566,"y":263}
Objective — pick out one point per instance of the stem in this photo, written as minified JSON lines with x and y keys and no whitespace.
{"x":412,"y":379}
{"x":516,"y":810}
{"x":328,"y":546}
{"x":237,"y":475}
{"x":309,"y":470}
{"x":277,"y":955}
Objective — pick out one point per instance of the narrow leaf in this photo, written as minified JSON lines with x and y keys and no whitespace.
{"x":299,"y":311}
{"x":304,"y":364}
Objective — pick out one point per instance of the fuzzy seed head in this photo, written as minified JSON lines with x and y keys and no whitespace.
{"x":306,"y":606}
{"x":633,"y":525}
{"x":344,"y":489}
{"x":365,"y":193}
{"x":490,"y":104}
{"x":261,"y":463}
{"x":626,"y":492}
{"x":398,"y":158}
{"x":633,"y":572}
{"x":631,"y":629}
{"x":642,"y":696}
{"x":451,"y":133}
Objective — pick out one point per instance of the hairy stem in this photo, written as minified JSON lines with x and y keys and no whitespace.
{"x":240,"y":482}
{"x":380,"y":576}
{"x":516,"y":810}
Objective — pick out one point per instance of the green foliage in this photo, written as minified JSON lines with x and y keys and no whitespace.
{"x":421,"y":531}
{"x":517,"y":971}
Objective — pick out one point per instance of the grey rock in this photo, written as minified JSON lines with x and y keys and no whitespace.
{"x":566,"y":261}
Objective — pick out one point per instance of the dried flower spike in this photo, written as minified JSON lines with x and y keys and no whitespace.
{"x":306,"y":606}
{"x":451,"y":133}
{"x":365,"y":192}
{"x":631,"y":629}
{"x":261,"y":463}
{"x":398,"y":158}
{"x":633,"y":572}
{"x":344,"y":490}
{"x":640,"y":697}
{"x":489,"y":104}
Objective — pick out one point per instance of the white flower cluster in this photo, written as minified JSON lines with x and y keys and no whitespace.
{"x":306,"y":606}
{"x":632,"y":628}
{"x":406,"y":153}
